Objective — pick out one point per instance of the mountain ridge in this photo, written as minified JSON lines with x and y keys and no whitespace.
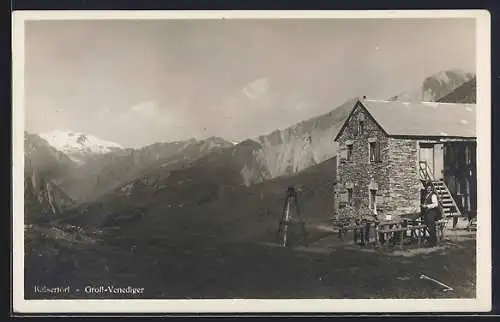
{"x":436,"y":86}
{"x":40,"y":155}
{"x":106,"y":172}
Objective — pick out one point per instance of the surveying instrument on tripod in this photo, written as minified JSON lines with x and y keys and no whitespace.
{"x":286,"y":217}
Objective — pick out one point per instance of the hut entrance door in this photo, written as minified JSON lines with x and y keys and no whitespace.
{"x":426,"y":153}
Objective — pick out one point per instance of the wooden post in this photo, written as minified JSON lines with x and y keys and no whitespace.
{"x":287,"y":218}
{"x":402,"y":233}
{"x":419,"y":229}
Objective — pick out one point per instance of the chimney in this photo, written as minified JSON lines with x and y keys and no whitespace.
{"x":364,"y":97}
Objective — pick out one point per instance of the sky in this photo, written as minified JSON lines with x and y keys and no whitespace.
{"x":137,"y":82}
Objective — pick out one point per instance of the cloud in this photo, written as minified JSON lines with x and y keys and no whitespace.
{"x":257,"y":88}
{"x":147,"y":108}
{"x":147,"y":112}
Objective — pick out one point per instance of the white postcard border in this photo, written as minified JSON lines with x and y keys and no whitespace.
{"x":482,"y":302}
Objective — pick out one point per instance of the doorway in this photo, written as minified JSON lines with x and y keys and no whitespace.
{"x":426,"y":154}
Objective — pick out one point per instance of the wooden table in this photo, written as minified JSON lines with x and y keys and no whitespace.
{"x":417,"y":230}
{"x":387,"y":229}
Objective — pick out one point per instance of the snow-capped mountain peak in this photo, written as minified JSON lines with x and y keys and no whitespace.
{"x":79,"y":146}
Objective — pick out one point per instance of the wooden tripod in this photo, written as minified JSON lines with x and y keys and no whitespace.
{"x":290,"y":201}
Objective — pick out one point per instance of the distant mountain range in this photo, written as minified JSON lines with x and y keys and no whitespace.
{"x":106,"y":172}
{"x":282,"y":152}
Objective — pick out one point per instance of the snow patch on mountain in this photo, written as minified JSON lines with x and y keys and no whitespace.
{"x":79,"y":145}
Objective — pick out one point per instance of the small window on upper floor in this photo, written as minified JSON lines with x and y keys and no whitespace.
{"x":349,"y":152}
{"x":354,"y":126}
{"x":349,"y":196}
{"x":361,"y":127}
{"x":360,"y":124}
{"x":374,"y":151}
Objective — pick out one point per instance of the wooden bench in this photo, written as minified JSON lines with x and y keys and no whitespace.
{"x":362,"y":230}
{"x":341,"y":225}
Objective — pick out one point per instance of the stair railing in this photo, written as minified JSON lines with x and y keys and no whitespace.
{"x":425,"y":172}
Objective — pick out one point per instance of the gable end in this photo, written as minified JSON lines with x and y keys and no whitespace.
{"x":360,"y":105}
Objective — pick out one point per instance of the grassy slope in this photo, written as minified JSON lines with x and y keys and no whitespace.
{"x":200,"y":206}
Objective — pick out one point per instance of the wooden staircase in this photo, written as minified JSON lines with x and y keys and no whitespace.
{"x":447,"y":203}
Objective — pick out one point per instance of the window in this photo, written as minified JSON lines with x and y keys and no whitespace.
{"x":342,"y":199}
{"x":373,"y":200}
{"x":349,"y":196}
{"x":349,"y":152}
{"x":468,"y":154}
{"x":361,"y":126}
{"x":354,"y":127}
{"x":374,"y":151}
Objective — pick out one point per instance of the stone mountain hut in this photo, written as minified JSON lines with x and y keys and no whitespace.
{"x":389,"y":149}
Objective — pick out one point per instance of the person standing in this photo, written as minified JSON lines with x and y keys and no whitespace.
{"x":431,"y":213}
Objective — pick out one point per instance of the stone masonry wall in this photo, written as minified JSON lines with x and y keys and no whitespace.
{"x":404,"y":178}
{"x":359,"y":171}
